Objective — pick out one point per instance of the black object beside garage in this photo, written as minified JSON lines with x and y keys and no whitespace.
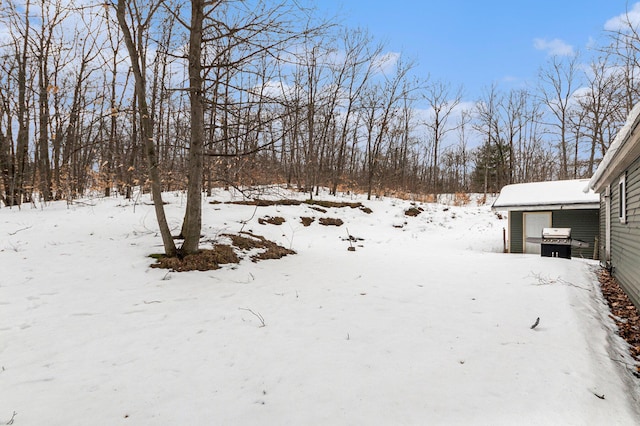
{"x":557,"y":242}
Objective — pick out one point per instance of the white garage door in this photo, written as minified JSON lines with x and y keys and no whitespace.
{"x":533,"y":225}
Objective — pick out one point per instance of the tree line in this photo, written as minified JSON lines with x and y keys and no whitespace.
{"x":198,"y":94}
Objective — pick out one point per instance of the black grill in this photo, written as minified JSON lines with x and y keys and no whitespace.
{"x":557,"y":242}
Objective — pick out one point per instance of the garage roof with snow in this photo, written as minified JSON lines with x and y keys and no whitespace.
{"x":555,"y":195}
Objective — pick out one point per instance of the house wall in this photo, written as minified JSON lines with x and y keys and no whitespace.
{"x":625,"y":237}
{"x":516,"y":231}
{"x":584,"y":226}
{"x":602,"y":237}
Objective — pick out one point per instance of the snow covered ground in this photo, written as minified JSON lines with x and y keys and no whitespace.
{"x":427,"y":324}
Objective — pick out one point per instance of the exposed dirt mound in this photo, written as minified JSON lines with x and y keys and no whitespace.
{"x":265,"y":203}
{"x":289,"y":202}
{"x":330,"y":221}
{"x":306,"y":221}
{"x":318,"y":209}
{"x":204,"y":260}
{"x":248,"y":241}
{"x":207,"y":260}
{"x":413,"y":211}
{"x":271,"y":220}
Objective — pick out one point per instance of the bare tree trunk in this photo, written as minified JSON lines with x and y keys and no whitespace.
{"x":146,"y":127}
{"x":192,"y":224}
{"x":22,"y":146}
{"x":44,"y":167}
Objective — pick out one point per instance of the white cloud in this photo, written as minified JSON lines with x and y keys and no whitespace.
{"x":555,"y":47}
{"x":624,"y":20}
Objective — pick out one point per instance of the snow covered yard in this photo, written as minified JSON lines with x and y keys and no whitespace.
{"x":428,"y":323}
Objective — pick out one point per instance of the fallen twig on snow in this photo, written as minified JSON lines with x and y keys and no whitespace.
{"x":13,"y":416}
{"x":535,"y":324}
{"x":257,"y":315}
{"x":22,"y":229}
{"x":548,"y":281}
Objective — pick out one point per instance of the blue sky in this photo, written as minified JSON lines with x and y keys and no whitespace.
{"x":477,"y":43}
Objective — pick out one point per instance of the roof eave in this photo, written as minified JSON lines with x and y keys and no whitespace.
{"x":540,"y":207}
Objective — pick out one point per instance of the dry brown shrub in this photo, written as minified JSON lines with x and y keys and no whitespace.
{"x":346,"y":188}
{"x":461,"y":199}
{"x":330,"y":221}
{"x":411,"y":196}
{"x":428,"y":198}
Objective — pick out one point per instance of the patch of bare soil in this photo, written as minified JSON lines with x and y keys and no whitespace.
{"x":330,"y":221}
{"x":265,"y":203}
{"x":318,"y":209}
{"x":413,"y":211}
{"x":624,"y":313}
{"x":288,"y":202}
{"x":271,"y":220}
{"x":306,"y":221}
{"x":248,"y":241}
{"x":329,"y":204}
{"x":204,"y":260}
{"x":207,"y":260}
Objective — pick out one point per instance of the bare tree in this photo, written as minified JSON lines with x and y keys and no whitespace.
{"x":442,"y":102}
{"x":557,"y":84}
{"x":514,"y":119}
{"x":132,"y":22}
{"x":381,"y":107}
{"x":18,"y":192}
{"x":601,"y":105}
{"x":487,"y":125}
{"x":353,"y":75}
{"x":625,"y":47}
